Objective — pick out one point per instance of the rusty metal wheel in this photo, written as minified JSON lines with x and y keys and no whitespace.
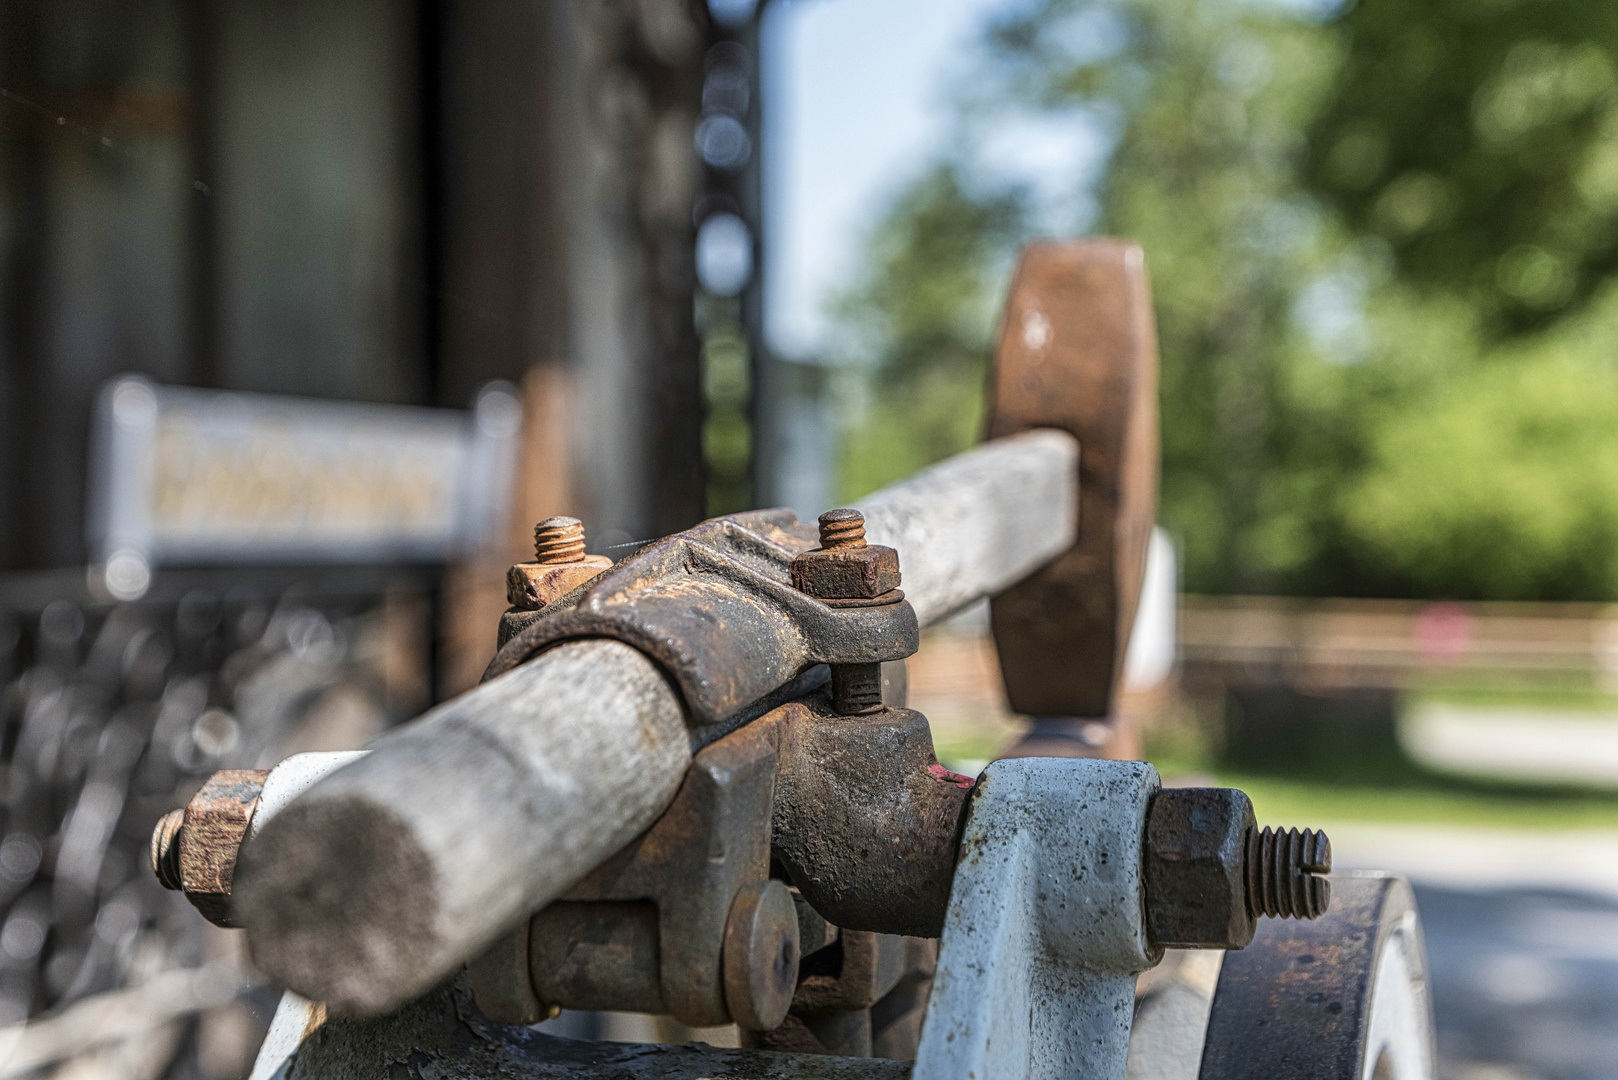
{"x":1342,"y":997}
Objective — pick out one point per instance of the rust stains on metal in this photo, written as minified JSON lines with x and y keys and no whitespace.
{"x":1296,"y":1003}
{"x":715,"y":608}
{"x":1078,"y":352}
{"x":846,"y":571}
{"x":842,"y":528}
{"x":863,"y":825}
{"x":761,"y":955}
{"x":559,"y":540}
{"x":560,"y":565}
{"x":195,"y":849}
{"x":845,"y":567}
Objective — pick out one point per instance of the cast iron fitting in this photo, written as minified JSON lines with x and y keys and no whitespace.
{"x":1282,"y":867}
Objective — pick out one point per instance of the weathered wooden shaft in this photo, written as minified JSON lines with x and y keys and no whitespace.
{"x":970,"y":526}
{"x":385,"y":876}
{"x":390,"y":873}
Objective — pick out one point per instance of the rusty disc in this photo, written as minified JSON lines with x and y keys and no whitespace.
{"x":761,"y":955}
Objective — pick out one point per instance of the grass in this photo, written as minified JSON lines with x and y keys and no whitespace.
{"x":1567,"y":698}
{"x":1440,"y":800}
{"x":1328,"y":768}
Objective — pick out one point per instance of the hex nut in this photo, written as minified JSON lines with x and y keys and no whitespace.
{"x":850,"y":573}
{"x":1195,"y":860}
{"x":207,"y":839}
{"x":532,"y":585}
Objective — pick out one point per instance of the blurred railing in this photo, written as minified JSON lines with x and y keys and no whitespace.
{"x":1325,"y":645}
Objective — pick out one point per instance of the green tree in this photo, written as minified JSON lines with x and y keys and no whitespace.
{"x":1480,"y":139}
{"x":1379,"y":247}
{"x":917,"y":333}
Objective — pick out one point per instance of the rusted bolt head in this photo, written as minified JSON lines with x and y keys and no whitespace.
{"x":1195,"y":859}
{"x":560,"y":565}
{"x":845,"y":567}
{"x":530,"y":586}
{"x":760,"y":955}
{"x":194,"y":849}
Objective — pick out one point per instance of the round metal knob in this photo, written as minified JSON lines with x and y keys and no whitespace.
{"x":761,"y":956}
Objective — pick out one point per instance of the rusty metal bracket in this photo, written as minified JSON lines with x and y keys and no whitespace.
{"x":1078,"y":351}
{"x":715,"y":607}
{"x":866,"y":819}
{"x":856,"y":810}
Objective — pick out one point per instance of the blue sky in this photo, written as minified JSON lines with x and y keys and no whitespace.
{"x":858,"y":100}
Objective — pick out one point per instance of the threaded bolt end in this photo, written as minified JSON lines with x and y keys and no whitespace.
{"x":166,"y":849}
{"x":842,"y":529}
{"x":1282,"y":868}
{"x":559,"y":540}
{"x":856,"y":688}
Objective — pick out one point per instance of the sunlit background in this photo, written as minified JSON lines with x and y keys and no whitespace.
{"x":652,"y":262}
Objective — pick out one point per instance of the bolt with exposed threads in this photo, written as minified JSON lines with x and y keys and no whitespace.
{"x":560,"y":565}
{"x":559,"y":540}
{"x":166,"y":849}
{"x":1282,"y":868}
{"x":194,"y":850}
{"x":1211,"y":873}
{"x":842,"y":529}
{"x":845,"y":571}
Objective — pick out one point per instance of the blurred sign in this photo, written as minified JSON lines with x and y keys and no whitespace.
{"x":197,"y":476}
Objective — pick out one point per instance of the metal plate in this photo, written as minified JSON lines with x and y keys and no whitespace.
{"x":1342,"y":997}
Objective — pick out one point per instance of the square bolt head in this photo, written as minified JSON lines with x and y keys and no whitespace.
{"x":532,"y":585}
{"x":848,"y":573}
{"x":1196,"y":893}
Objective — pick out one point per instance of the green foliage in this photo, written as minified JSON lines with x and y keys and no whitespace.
{"x":1503,"y":484}
{"x":727,"y":435}
{"x":918,"y":329}
{"x":1481,"y":140}
{"x":1378,"y":247}
{"x":928,"y":303}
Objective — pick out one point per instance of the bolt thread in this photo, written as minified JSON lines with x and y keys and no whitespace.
{"x":1282,"y":869}
{"x":842,"y":529}
{"x":559,"y":540}
{"x":166,"y":849}
{"x":856,"y":688}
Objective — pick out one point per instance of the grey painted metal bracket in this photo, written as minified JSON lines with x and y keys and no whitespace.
{"x":1045,"y":932}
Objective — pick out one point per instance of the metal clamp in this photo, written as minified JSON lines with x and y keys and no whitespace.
{"x":716,"y":608}
{"x":687,"y":920}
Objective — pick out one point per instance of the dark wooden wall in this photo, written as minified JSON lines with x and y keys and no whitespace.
{"x":384,"y":200}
